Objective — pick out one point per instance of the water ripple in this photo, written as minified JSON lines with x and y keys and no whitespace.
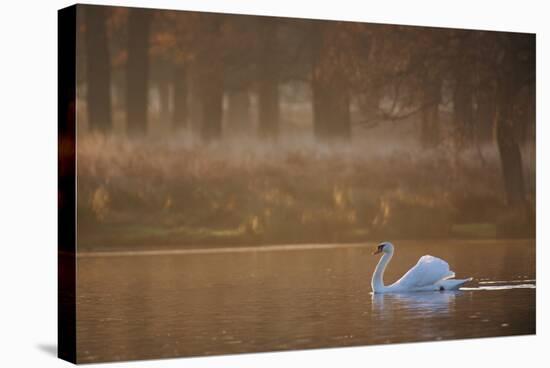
{"x":501,"y":287}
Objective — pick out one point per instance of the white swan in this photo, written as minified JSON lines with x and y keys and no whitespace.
{"x":429,"y":274}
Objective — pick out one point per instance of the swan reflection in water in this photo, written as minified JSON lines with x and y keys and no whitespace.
{"x":415,"y":316}
{"x":413,"y":305}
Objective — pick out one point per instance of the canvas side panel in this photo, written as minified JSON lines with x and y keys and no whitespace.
{"x":66,"y":184}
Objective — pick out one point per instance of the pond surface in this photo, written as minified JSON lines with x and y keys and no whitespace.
{"x":141,"y":305}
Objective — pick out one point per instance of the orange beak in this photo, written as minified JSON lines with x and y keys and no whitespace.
{"x":376,"y":252}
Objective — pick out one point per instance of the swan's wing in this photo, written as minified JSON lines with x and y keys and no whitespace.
{"x":427,"y":271}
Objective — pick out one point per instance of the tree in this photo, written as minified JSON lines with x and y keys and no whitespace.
{"x":164,"y":74}
{"x":211,"y":76}
{"x":268,"y":79}
{"x":98,"y":70}
{"x":241,"y":48}
{"x":429,"y":67}
{"x":137,"y":71}
{"x":431,"y":98}
{"x":175,"y":40}
{"x":515,"y":72}
{"x":484,"y":114}
{"x":463,"y":73}
{"x":239,"y":120}
{"x":330,"y":84}
{"x":180,"y":114}
{"x":463,"y":113}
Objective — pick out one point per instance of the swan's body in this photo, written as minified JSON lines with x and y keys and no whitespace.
{"x":429,"y":274}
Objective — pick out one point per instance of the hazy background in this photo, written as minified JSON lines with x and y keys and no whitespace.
{"x":198,"y":128}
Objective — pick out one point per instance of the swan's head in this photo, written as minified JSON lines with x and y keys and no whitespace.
{"x":384,"y":247}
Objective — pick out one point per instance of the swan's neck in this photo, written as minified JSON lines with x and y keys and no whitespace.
{"x":378,"y":275}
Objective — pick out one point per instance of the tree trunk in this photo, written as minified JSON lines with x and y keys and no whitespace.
{"x":268,"y":94}
{"x":485,"y":115}
{"x":179,"y":117}
{"x":164,"y":102}
{"x":463,"y":114}
{"x":137,"y":71}
{"x":98,"y":70}
{"x":331,"y":112}
{"x":430,"y":126}
{"x":330,"y":87}
{"x":512,"y":169}
{"x":370,"y":103}
{"x":211,"y":78}
{"x":506,"y":134}
{"x":370,"y":99}
{"x":238,"y":112}
{"x":429,"y":130}
{"x":510,"y":154}
{"x":194,"y":101}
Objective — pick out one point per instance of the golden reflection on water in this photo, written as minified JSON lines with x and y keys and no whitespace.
{"x":201,"y":303}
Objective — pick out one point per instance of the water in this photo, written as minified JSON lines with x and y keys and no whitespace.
{"x":135,"y":305}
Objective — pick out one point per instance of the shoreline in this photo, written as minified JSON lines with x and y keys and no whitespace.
{"x":212,"y":249}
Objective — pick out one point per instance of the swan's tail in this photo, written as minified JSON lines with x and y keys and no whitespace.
{"x":453,"y":284}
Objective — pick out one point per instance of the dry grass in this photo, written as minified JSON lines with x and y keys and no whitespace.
{"x":180,"y":192}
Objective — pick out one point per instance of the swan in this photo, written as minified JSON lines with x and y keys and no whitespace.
{"x":429,"y":274}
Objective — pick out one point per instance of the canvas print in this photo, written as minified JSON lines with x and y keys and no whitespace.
{"x":238,"y":183}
